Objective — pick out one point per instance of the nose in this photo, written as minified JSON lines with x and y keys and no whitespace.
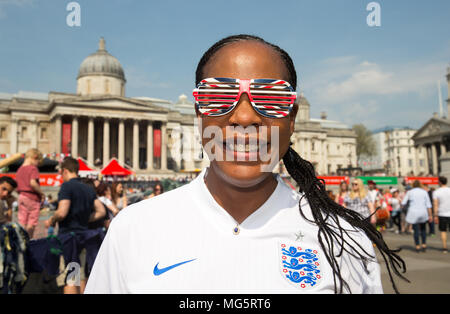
{"x":244,"y":115}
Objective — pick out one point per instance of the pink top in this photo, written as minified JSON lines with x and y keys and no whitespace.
{"x":23,"y":177}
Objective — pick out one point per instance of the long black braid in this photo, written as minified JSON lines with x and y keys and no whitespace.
{"x":326,"y":213}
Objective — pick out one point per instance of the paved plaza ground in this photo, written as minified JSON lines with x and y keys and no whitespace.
{"x":428,"y":272}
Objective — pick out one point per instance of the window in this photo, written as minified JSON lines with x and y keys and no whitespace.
{"x":410,"y":162}
{"x":422,"y":162}
{"x":23,"y":132}
{"x":43,"y":133}
{"x":3,"y":132}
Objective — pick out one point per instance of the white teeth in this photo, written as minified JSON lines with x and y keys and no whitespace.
{"x":243,"y":148}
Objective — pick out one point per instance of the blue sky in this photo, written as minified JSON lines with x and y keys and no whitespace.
{"x":378,"y":76}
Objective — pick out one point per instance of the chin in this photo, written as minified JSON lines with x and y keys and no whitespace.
{"x":241,"y":174}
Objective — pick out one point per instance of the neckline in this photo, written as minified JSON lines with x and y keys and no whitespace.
{"x":224,"y":221}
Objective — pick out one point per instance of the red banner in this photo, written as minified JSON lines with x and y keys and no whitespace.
{"x":335,"y":180}
{"x":66,"y":138}
{"x":423,"y":180}
{"x":156,"y":143}
{"x":46,"y":179}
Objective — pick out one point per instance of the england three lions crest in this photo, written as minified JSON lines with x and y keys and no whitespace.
{"x":300,"y":266}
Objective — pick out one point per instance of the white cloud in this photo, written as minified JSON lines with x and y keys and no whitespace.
{"x":346,"y":79}
{"x":18,"y":3}
{"x":354,"y":90}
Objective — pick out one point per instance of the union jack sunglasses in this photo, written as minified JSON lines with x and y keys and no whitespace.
{"x":219,"y":96}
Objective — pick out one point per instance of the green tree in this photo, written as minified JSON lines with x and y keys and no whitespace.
{"x":365,"y":144}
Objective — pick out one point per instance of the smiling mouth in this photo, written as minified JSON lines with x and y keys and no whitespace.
{"x":245,"y":150}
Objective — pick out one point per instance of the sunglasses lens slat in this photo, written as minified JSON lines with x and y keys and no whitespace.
{"x":218,"y":96}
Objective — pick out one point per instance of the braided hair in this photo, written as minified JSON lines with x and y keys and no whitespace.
{"x":326,"y":213}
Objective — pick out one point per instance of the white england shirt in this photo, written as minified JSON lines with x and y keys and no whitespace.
{"x":183,"y":242}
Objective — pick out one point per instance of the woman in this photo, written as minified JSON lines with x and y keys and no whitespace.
{"x":238,"y":227}
{"x":359,"y":201}
{"x":343,"y":191}
{"x":104,"y":195}
{"x":119,"y":198}
{"x":419,"y":213}
{"x":157,"y":190}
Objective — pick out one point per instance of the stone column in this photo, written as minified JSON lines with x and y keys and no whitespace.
{"x":34,"y":133}
{"x":416,"y":161}
{"x":434,"y":158}
{"x":105,"y":142}
{"x":443,"y":149}
{"x":74,"y":137}
{"x":90,"y":149}
{"x":58,"y":134}
{"x":136,"y":144}
{"x":163,"y":147}
{"x":14,"y":135}
{"x":121,"y":142}
{"x":150,"y":145}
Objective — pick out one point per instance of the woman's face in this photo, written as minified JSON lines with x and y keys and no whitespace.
{"x":246,"y":60}
{"x":119,"y":189}
{"x":355,"y":186}
{"x":344,"y":187}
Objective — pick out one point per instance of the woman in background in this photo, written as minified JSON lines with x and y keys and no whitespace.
{"x":119,"y":196}
{"x":419,"y":213}
{"x":343,"y":191}
{"x":358,"y":200}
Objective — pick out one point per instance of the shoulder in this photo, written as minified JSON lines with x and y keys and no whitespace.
{"x":171,"y":205}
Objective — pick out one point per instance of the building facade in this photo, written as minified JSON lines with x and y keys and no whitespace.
{"x":434,"y":138}
{"x":153,"y":136}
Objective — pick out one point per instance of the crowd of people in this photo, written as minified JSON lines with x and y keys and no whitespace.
{"x":82,"y":205}
{"x":416,"y":210}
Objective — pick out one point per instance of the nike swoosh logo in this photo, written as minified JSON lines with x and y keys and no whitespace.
{"x":159,"y":271}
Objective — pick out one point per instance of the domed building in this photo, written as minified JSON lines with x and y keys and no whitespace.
{"x":153,"y":136}
{"x":99,"y":122}
{"x":101,"y":74}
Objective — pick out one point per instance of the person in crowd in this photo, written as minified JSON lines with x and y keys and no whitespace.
{"x":30,"y":193}
{"x":374,"y":194}
{"x":238,"y":211}
{"x":419,"y":212}
{"x":157,"y":190}
{"x":105,"y":196}
{"x":7,"y":186}
{"x":396,"y":213}
{"x":77,"y":206}
{"x":431,"y":228}
{"x":359,"y":201}
{"x":119,"y":196}
{"x":104,"y":221}
{"x":343,"y":191}
{"x":441,"y":200}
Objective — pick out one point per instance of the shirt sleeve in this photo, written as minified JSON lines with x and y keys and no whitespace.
{"x":106,"y":276}
{"x":34,"y":174}
{"x":372,"y":284}
{"x":64,"y":193}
